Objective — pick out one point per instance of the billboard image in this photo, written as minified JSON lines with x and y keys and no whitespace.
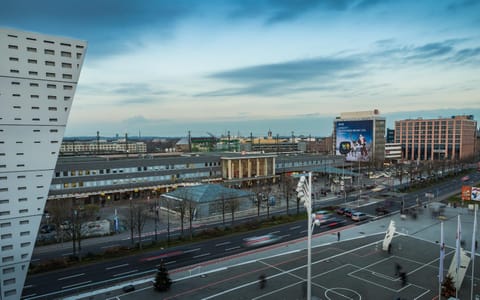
{"x":466,"y":192}
{"x":354,"y":139}
{"x":475,"y":193}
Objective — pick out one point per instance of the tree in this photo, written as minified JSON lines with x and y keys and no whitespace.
{"x":233,"y":205}
{"x":136,"y":222}
{"x":162,"y":279}
{"x":448,"y":287}
{"x":191,"y":215}
{"x":288,"y":186}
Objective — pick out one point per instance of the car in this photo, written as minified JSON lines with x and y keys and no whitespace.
{"x":321,"y":216}
{"x":359,"y":216}
{"x":340,"y":210}
{"x":47,"y":228}
{"x":261,"y":240}
{"x":335,"y":222}
{"x":381,"y":210}
{"x":348,"y":212}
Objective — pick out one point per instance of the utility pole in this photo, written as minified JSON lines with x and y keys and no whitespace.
{"x":126,"y":143}
{"x":228,"y":140}
{"x":189,"y":142}
{"x":98,"y":142}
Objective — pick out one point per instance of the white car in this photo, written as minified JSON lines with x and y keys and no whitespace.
{"x":259,"y":241}
{"x":359,"y":216}
{"x":322,"y":216}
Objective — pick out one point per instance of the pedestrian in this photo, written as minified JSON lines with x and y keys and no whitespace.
{"x":398,"y":268}
{"x":403,"y":277}
{"x":263,"y":281}
{"x":338,"y":236}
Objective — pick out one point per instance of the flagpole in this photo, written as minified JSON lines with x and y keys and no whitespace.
{"x":473,"y":250}
{"x":440,"y":269}
{"x":458,"y":254}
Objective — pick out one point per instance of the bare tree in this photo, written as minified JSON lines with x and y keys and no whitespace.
{"x":139,"y":218}
{"x":288,"y":184}
{"x":79,"y":216}
{"x":233,"y":205}
{"x":191,"y":214}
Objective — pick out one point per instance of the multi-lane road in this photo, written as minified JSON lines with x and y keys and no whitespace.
{"x":103,"y":273}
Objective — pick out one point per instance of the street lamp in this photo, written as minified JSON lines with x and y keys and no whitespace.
{"x":304,"y":192}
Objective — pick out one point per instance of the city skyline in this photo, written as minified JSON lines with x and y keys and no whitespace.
{"x":165,"y":68}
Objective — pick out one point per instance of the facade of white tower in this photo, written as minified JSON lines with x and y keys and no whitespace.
{"x":38,"y":78}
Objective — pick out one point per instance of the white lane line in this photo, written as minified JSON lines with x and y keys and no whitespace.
{"x":29,"y":296}
{"x":110,"y":246}
{"x":275,"y":232}
{"x":222,"y":244}
{"x":146,"y":240}
{"x":66,"y":254}
{"x":294,"y":227}
{"x":76,"y":284}
{"x":192,"y":250}
{"x":71,"y":276}
{"x":233,"y":248}
{"x":201,"y":255}
{"x":27,"y":286}
{"x":124,"y":273}
{"x":114,"y":267}
{"x":35,"y":259}
{"x":170,"y":262}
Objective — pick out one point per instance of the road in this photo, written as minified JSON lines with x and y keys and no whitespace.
{"x":103,"y":273}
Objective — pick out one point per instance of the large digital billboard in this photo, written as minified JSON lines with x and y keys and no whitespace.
{"x":354,"y":139}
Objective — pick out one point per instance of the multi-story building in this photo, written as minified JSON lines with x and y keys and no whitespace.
{"x":437,"y":139}
{"x":38,"y":78}
{"x":102,"y":146}
{"x":360,"y":136}
{"x":95,"y":179}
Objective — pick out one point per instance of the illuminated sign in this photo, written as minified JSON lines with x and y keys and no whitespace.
{"x":354,"y":139}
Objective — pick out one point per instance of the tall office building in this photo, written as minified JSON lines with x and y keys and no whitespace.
{"x":38,"y":78}
{"x":437,"y":139}
{"x":360,"y":136}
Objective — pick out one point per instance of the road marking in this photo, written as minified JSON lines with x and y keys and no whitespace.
{"x":66,"y":254}
{"x":36,"y":259}
{"x":222,"y":244}
{"x":192,"y":250}
{"x":75,"y":284}
{"x":71,"y":276}
{"x":201,"y":255}
{"x":275,"y":232}
{"x":124,"y":273}
{"x":110,"y":246}
{"x":294,"y":227}
{"x":170,"y":262}
{"x":114,"y":267}
{"x":29,"y":296}
{"x":232,"y":248}
{"x":27,"y":286}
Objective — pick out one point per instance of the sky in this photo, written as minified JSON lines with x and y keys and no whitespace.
{"x":164,"y":68}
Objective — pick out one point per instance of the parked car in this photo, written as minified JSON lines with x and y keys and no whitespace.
{"x":348,"y":212}
{"x":335,"y":222}
{"x":359,"y":216}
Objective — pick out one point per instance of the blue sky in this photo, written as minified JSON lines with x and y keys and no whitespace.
{"x":166,"y":67}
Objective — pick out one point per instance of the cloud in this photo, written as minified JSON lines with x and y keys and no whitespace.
{"x":285,"y":77}
{"x":431,"y":50}
{"x":110,"y":26}
{"x":276,"y":11}
{"x":466,"y":55}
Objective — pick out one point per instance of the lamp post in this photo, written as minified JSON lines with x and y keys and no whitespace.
{"x":304,"y":192}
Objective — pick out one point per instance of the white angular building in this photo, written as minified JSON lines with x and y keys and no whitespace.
{"x":38,"y":78}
